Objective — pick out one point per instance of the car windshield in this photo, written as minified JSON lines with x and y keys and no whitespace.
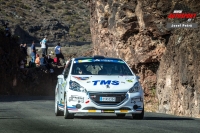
{"x":100,"y":67}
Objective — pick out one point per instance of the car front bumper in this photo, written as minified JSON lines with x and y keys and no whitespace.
{"x":132,"y":103}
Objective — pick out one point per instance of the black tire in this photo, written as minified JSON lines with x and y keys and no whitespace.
{"x":121,"y":115}
{"x":67,"y":115}
{"x":58,"y":112}
{"x":138,"y":116}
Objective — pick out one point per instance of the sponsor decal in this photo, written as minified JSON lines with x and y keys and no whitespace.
{"x":81,"y":78}
{"x":81,"y":61}
{"x":106,"y":82}
{"x":98,"y":60}
{"x":63,"y":84}
{"x":87,"y":101}
{"x":129,"y":80}
{"x":61,"y":105}
{"x":76,"y":98}
{"x":180,"y":15}
{"x":73,"y":108}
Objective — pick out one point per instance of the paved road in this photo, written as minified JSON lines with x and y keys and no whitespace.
{"x":36,"y":115}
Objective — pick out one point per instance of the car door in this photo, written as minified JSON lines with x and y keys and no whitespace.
{"x":64,"y":81}
{"x":60,"y":84}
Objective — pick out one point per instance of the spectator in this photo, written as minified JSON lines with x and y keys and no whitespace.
{"x":33,"y":52}
{"x":47,"y":48}
{"x":37,"y":60}
{"x":24,"y":49}
{"x":21,"y":64}
{"x":7,"y":29}
{"x":55,"y":60}
{"x":21,"y":47}
{"x":43,"y":45}
{"x":59,"y":54}
{"x":43,"y":60}
{"x":49,"y":59}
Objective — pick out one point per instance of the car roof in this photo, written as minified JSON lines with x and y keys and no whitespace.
{"x":97,"y":57}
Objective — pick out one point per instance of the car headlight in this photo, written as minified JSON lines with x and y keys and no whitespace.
{"x":73,"y":85}
{"x":135,"y":88}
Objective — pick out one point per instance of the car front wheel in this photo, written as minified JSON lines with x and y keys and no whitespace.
{"x":67,"y":115}
{"x":138,"y":116}
{"x":57,"y":111}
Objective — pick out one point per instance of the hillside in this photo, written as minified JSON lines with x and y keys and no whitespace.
{"x":63,"y":21}
{"x":66,"y":22}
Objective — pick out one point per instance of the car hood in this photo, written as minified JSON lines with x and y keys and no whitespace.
{"x":98,"y":83}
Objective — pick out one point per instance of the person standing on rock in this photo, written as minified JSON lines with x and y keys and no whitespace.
{"x":47,"y":49}
{"x":59,"y":54}
{"x":25,"y":47}
{"x":33,"y":52}
{"x":37,"y":60}
{"x":43,"y":45}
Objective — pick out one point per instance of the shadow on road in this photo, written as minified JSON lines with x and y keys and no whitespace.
{"x":24,"y":98}
{"x":129,"y":117}
{"x":101,"y":117}
{"x":167,"y":118}
{"x":4,"y":110}
{"x":9,"y":118}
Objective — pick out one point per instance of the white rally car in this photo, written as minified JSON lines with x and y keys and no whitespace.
{"x":98,"y":85}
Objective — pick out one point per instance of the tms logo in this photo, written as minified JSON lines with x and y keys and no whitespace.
{"x":179,"y":14}
{"x":106,"y":82}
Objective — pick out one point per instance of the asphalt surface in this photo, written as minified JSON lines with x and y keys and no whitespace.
{"x":36,"y":115}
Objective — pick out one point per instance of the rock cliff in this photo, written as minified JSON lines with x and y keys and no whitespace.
{"x":167,"y":60}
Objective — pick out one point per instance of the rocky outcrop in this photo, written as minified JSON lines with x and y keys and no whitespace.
{"x":136,"y":31}
{"x":178,"y":87}
{"x":22,"y":81}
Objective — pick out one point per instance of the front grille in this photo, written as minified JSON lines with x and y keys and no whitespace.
{"x":89,"y":108}
{"x":124,"y":108}
{"x":95,"y":97}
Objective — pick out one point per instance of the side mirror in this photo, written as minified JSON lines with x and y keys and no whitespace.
{"x":60,"y":76}
{"x":138,"y":77}
{"x":60,"y":79}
